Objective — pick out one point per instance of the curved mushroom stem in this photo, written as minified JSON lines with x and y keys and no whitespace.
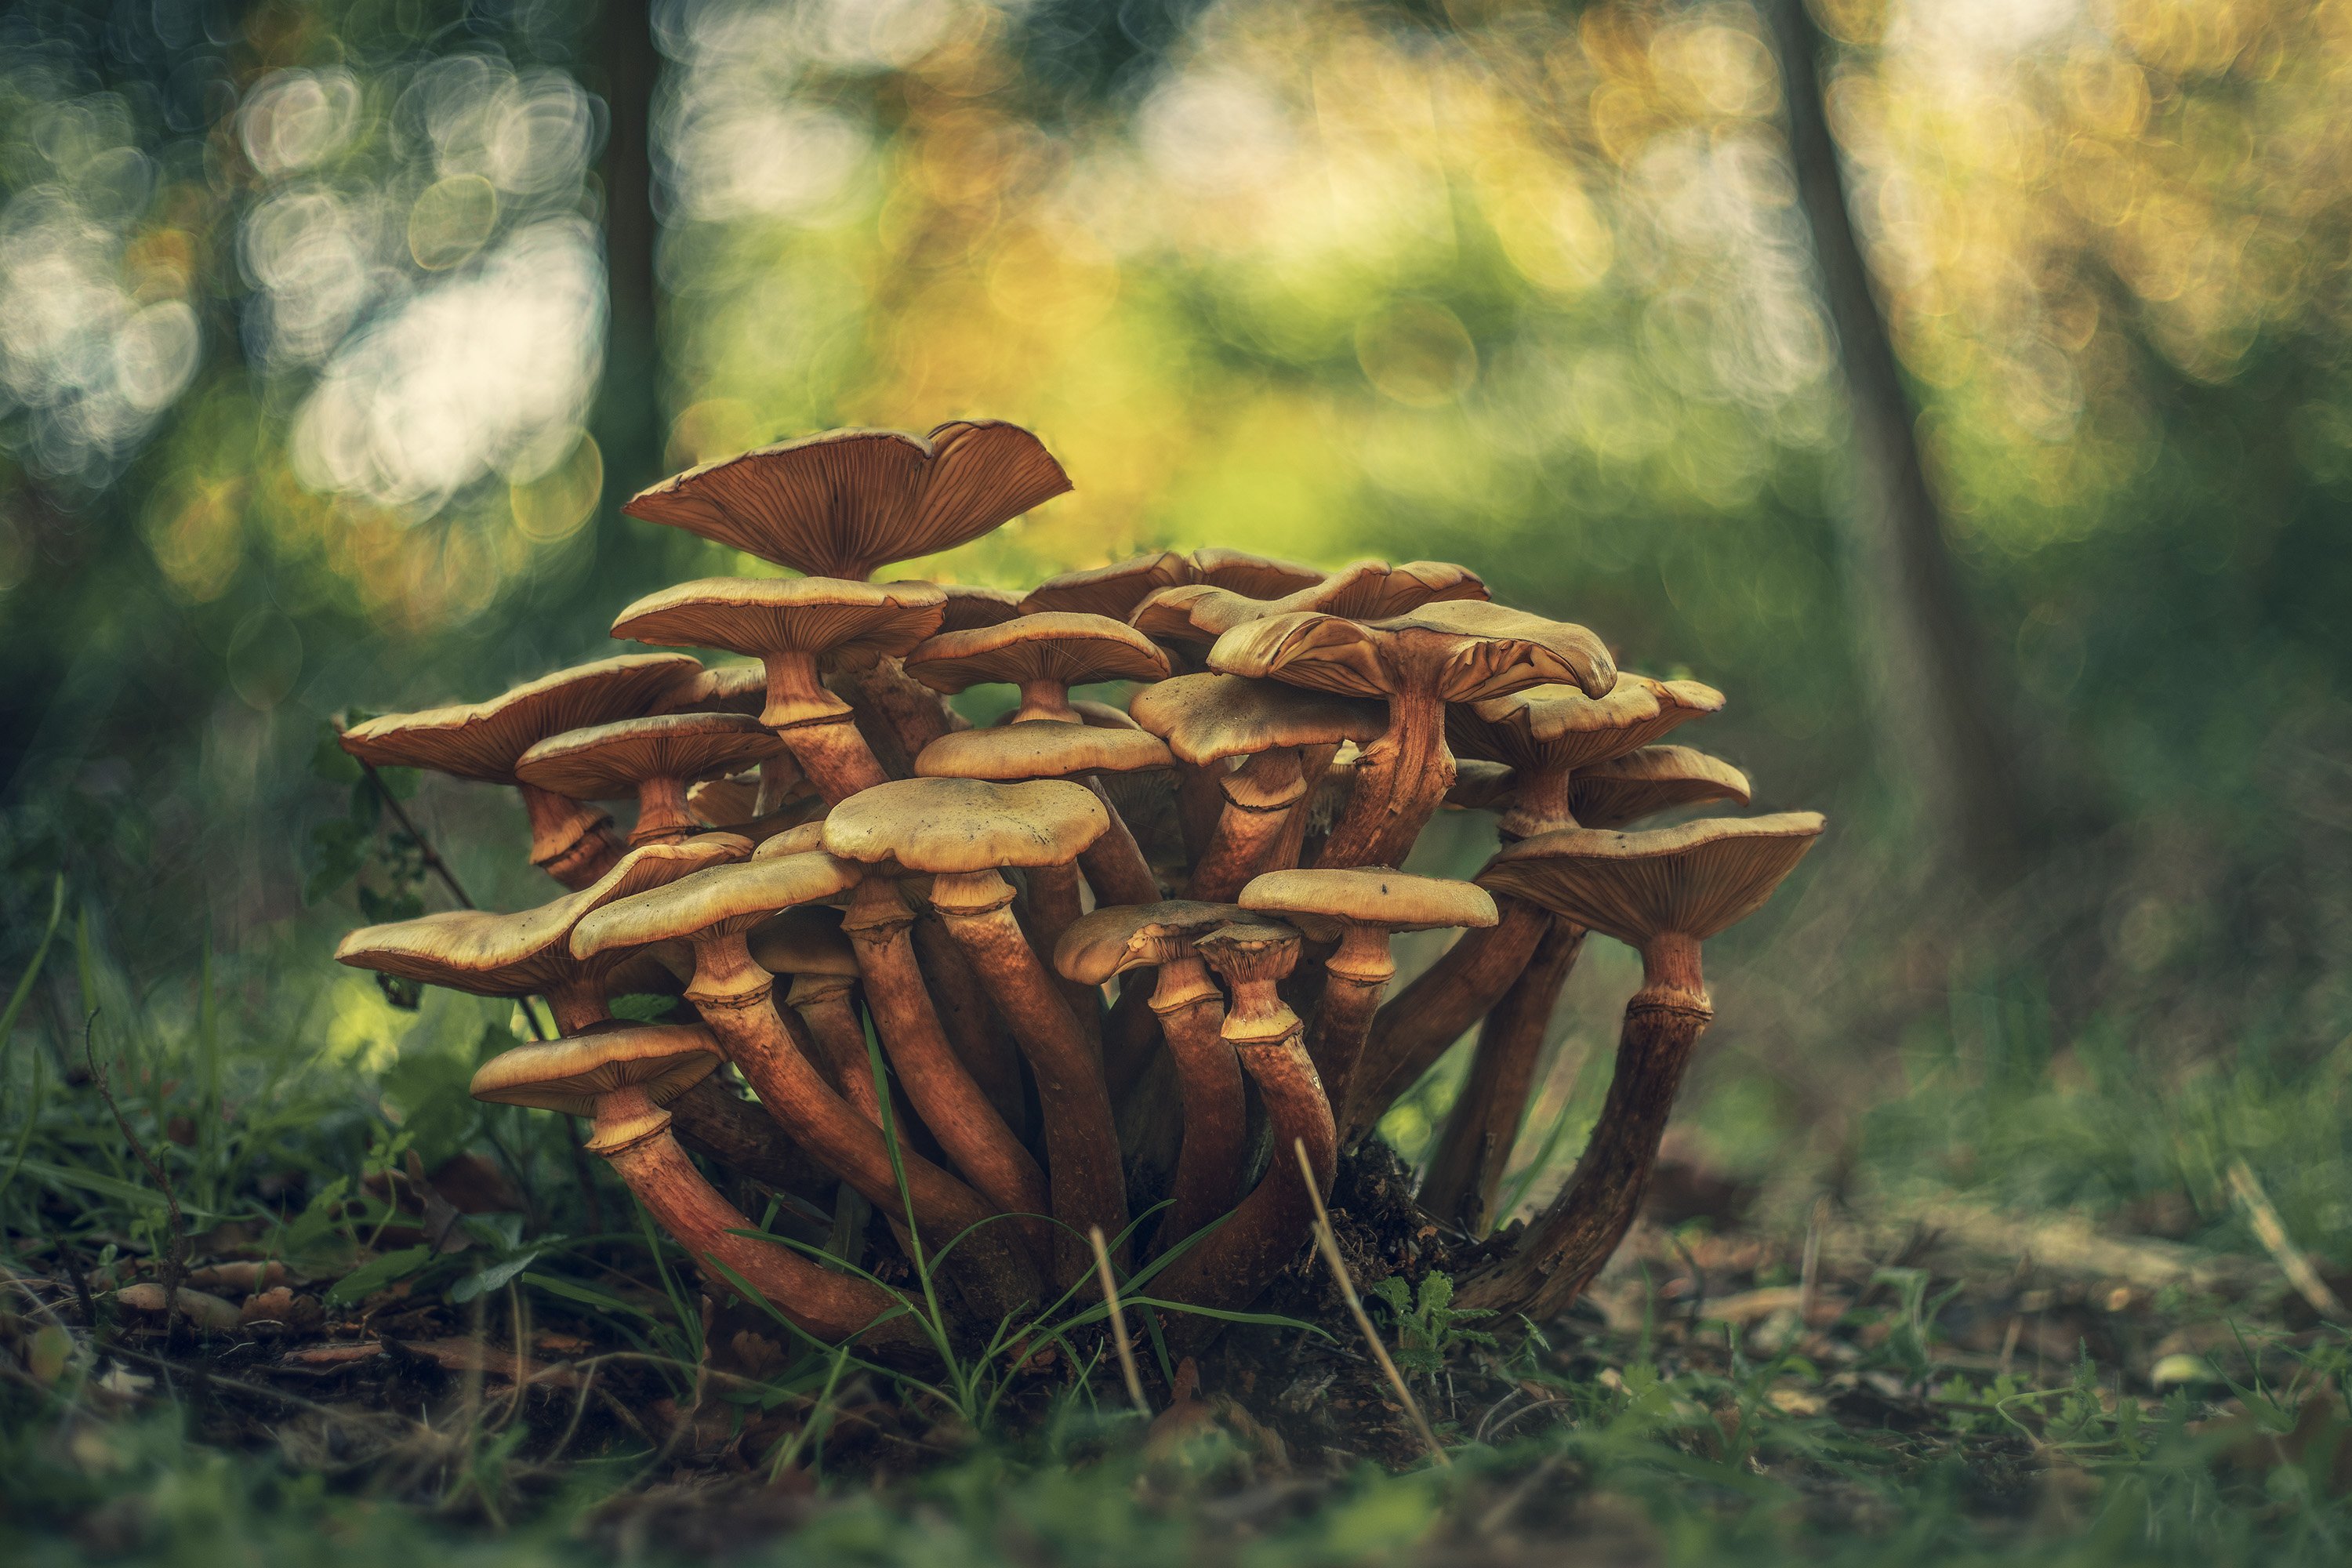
{"x":1570,"y":1241}
{"x":1473,"y":1150}
{"x":1209,"y":1162}
{"x":1260,"y":797}
{"x":1355,"y":976}
{"x":823,"y":1005}
{"x":835,"y":756}
{"x":981,"y":1039}
{"x":1082,"y":1156}
{"x":568,"y":838}
{"x":662,"y":815}
{"x":1200,"y":799}
{"x":827,"y":1305}
{"x":1113,"y":863}
{"x":1427,"y":1016}
{"x":713,"y":1122}
{"x":1400,"y":778}
{"x":1054,"y":905}
{"x":945,"y":1094}
{"x":899,"y":714}
{"x":1045,"y":697}
{"x":1314,"y":766}
{"x":1539,"y":803}
{"x":735,"y":997}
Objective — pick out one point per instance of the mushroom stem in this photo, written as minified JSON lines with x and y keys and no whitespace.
{"x":1209,"y":1162}
{"x":981,"y":1041}
{"x":716,"y":1124}
{"x":568,"y":838}
{"x":1355,"y":976}
{"x":1200,"y":799}
{"x":1082,"y":1155}
{"x":1113,"y":863}
{"x":1428,"y":1016}
{"x":945,"y":1094}
{"x":1260,"y":797}
{"x":1570,"y":1241}
{"x":1045,"y":697}
{"x":1400,"y":778}
{"x":899,"y":714}
{"x":1539,"y":803}
{"x":823,"y":1005}
{"x":1473,"y":1151}
{"x":835,"y":756}
{"x":1054,"y":905}
{"x":662,"y":815}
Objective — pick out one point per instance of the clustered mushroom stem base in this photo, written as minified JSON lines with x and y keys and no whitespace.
{"x":905,"y":710}
{"x":1466,"y":1174}
{"x":710,"y":1119}
{"x":1208,"y":1084}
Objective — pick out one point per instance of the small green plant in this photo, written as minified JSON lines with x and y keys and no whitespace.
{"x":1429,"y":1326}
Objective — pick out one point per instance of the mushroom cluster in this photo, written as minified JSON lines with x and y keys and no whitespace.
{"x":1117,"y":963}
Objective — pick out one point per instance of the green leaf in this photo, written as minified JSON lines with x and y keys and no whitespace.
{"x":369,"y":1277}
{"x":586,"y":1295}
{"x":483,"y":1281}
{"x":643,"y":1010}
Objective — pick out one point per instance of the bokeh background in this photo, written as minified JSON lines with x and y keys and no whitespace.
{"x":331,"y":336}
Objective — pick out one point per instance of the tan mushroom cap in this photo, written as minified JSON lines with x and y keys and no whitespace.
{"x":1073,"y":649}
{"x":947,"y":825}
{"x":1373,"y":896}
{"x":1654,"y":779}
{"x":819,"y":617}
{"x":1561,"y":727}
{"x":610,"y":760}
{"x":1122,"y":937}
{"x":1204,"y":717}
{"x":740,"y":687}
{"x":482,"y":740}
{"x":1482,"y":786}
{"x":1366,"y":590}
{"x":1693,"y":880}
{"x":572,"y":1074}
{"x":793,"y":840}
{"x":803,"y":941}
{"x":1039,"y":749}
{"x":969,"y":606}
{"x":723,"y":801}
{"x":841,"y":503}
{"x":1101,"y":715}
{"x":1114,"y":590}
{"x":529,"y":952}
{"x":1495,"y":651}
{"x":1253,"y":576}
{"x":722,"y":901}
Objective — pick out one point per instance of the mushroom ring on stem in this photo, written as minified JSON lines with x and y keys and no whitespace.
{"x":651,"y":760}
{"x":1044,"y":655}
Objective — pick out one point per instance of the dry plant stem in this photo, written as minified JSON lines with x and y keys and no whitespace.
{"x":947,"y":1096}
{"x":835,"y":756}
{"x":1473,"y":1150}
{"x":1192,"y":1012}
{"x":1088,"y":1186}
{"x":1054,"y":905}
{"x":1354,"y":978}
{"x":568,"y":838}
{"x":1400,"y":778}
{"x":1113,"y":863}
{"x":1429,"y":1015}
{"x":662,"y":815}
{"x":1109,"y":1284}
{"x":981,"y":1039}
{"x":1568,"y":1244}
{"x":1328,"y":1243}
{"x":1260,"y":797}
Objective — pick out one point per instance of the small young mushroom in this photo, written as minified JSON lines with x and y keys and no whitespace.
{"x":622,"y":1077}
{"x":1192,"y":1011}
{"x":1044,"y":655}
{"x":792,"y":624}
{"x":1370,"y":904}
{"x":483,"y":741}
{"x":1549,"y":734}
{"x":652,"y":759}
{"x":962,"y":831}
{"x":1446,"y":652}
{"x":1664,"y":892}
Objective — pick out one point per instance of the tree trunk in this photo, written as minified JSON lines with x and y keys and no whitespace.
{"x":627,"y":422}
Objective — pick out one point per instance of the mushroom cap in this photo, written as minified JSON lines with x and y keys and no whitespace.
{"x":722,"y":802}
{"x":841,"y":503}
{"x":720,"y":901}
{"x":1114,"y":590}
{"x":1101,"y":715}
{"x":792,"y":840}
{"x":969,"y":606}
{"x":519,"y":955}
{"x":1197,"y":614}
{"x":803,"y":941}
{"x":1122,"y":937}
{"x":1204,"y":717}
{"x":1255,"y":576}
{"x":1071,"y":648}
{"x":945,"y":826}
{"x":1493,"y":651}
{"x":1373,"y":896}
{"x":572,"y":1073}
{"x":853,"y":622}
{"x":1694,"y":880}
{"x":1654,"y":779}
{"x":740,"y":687}
{"x":1482,"y":786}
{"x":482,"y":740}
{"x":609,"y":762}
{"x":1039,"y":749}
{"x":1561,"y":727}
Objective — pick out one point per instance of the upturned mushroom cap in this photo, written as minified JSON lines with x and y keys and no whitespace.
{"x":1482,"y":786}
{"x":1693,"y":880}
{"x":843,"y":502}
{"x":572,"y":1074}
{"x":520,"y":954}
{"x":1122,"y":937}
{"x":1039,"y":749}
{"x":822,"y":617}
{"x":1561,"y":727}
{"x":1253,"y":576}
{"x":1204,"y":717}
{"x":1366,"y":590}
{"x":947,"y":825}
{"x":482,"y":740}
{"x":1493,"y":651}
{"x":609,"y":762}
{"x":1114,"y":590}
{"x":803,"y":941}
{"x":969,"y":606}
{"x":740,"y":687}
{"x":1072,"y":649}
{"x":720,"y":901}
{"x":1654,"y":779}
{"x":793,"y":840}
{"x":1373,"y":896}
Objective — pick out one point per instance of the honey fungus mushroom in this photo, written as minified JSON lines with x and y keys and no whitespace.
{"x":1044,"y":655}
{"x":652,"y":759}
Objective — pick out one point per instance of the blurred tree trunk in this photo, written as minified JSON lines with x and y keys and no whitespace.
{"x":1941,"y":738}
{"x":628,"y":422}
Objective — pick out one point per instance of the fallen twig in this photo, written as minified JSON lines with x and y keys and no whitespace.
{"x":2271,"y":1231}
{"x":1118,"y":1323}
{"x":1329,"y":1243}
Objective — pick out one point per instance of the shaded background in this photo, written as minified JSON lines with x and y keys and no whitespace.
{"x":331,"y":336}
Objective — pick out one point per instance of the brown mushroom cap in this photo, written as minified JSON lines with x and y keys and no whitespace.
{"x":1253,"y":576}
{"x":1654,"y":779}
{"x":1693,"y":881}
{"x":803,"y":941}
{"x":724,"y":802}
{"x":1482,"y":786}
{"x":1495,"y":651}
{"x":572,"y":1074}
{"x":1122,"y":937}
{"x":946,"y":826}
{"x":740,"y":687}
{"x":520,"y":954}
{"x":1039,"y":749}
{"x":482,"y":740}
{"x":609,"y":762}
{"x":969,"y":606}
{"x":1114,"y":590}
{"x":1561,"y":727}
{"x":793,"y":840}
{"x":843,"y":502}
{"x":1101,"y":715}
{"x":820,"y":618}
{"x":1373,"y":896}
{"x":1073,"y":649}
{"x":1204,"y":717}
{"x":1197,"y":615}
{"x":720,"y":901}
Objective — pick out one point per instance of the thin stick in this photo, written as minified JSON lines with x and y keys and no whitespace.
{"x":1330,"y":1245}
{"x":2271,"y":1231}
{"x":1117,"y":1323}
